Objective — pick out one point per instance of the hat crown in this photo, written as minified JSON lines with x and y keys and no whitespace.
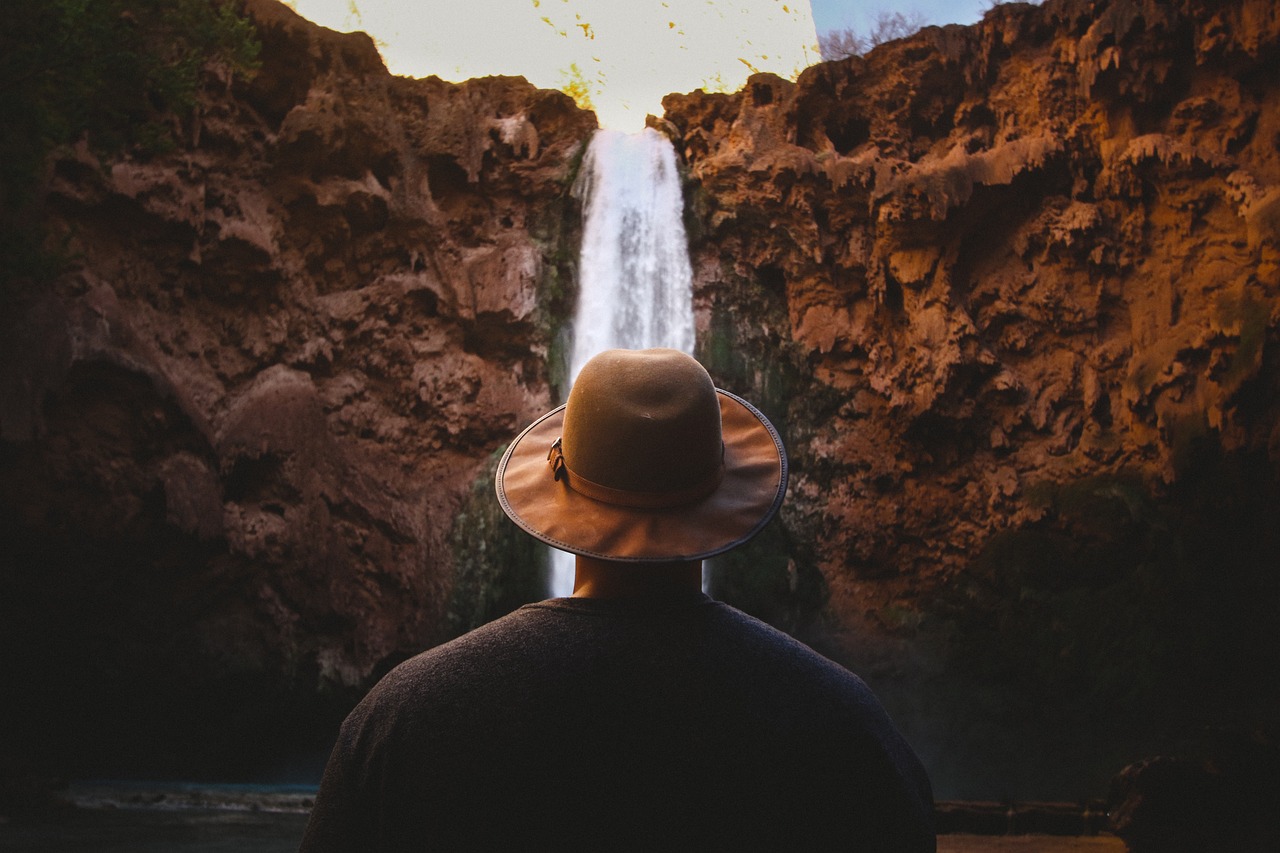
{"x":645,"y":421}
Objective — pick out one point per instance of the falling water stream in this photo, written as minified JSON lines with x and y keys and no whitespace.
{"x":635,"y":286}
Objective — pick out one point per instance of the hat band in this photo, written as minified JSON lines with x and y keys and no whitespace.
{"x":636,"y":500}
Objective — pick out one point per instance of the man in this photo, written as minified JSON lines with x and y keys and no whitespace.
{"x":638,"y":714}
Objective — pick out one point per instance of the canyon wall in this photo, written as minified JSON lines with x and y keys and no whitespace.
{"x":1008,"y":290}
{"x":1012,"y":291}
{"x":241,"y":437}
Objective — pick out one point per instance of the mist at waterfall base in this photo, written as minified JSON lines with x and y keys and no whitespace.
{"x":635,"y":285}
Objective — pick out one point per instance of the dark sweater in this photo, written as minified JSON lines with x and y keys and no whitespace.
{"x":582,"y":724}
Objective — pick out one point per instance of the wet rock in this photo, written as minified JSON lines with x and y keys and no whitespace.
{"x":1223,"y":795}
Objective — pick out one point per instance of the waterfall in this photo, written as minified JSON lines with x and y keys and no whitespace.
{"x":635,"y":285}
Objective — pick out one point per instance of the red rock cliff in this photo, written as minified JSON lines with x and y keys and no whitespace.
{"x":241,"y":434}
{"x":1012,"y":290}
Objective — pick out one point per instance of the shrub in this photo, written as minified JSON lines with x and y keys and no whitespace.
{"x":113,"y":72}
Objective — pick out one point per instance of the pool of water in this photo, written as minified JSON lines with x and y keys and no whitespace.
{"x":145,"y":817}
{"x":159,"y":831}
{"x":148,"y":817}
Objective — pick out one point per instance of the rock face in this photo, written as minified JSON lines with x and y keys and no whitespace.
{"x":1010,"y":291}
{"x":235,"y":439}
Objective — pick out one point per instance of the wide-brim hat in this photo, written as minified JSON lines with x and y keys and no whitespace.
{"x":647,"y":462}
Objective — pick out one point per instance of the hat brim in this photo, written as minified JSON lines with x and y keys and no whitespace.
{"x":755,"y":481}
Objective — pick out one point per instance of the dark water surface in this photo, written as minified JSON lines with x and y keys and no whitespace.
{"x":133,"y":817}
{"x":152,"y":831}
{"x":144,"y":831}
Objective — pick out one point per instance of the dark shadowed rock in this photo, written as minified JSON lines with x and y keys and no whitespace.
{"x":240,"y":427}
{"x":1223,"y":795}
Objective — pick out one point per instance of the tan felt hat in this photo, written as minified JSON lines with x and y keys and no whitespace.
{"x":647,"y":462}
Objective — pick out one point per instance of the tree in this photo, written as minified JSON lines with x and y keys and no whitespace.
{"x":575,"y":85}
{"x":991,"y":4}
{"x":888,"y":26}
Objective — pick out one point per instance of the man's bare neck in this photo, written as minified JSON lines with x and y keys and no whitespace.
{"x":597,"y":578}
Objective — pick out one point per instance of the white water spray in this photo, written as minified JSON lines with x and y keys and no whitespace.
{"x":635,"y":285}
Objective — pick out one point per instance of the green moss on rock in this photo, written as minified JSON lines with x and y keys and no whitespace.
{"x":558,"y":233}
{"x":764,"y":579}
{"x":770,"y":577}
{"x":497,"y":566}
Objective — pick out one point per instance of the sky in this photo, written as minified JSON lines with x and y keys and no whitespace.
{"x":861,"y":14}
{"x":622,"y":55}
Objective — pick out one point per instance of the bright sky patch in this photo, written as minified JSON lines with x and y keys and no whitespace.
{"x":620,"y":56}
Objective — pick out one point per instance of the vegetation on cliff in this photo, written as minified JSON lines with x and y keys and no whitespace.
{"x":111,"y":73}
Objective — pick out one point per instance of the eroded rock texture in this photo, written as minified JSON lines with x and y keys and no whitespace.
{"x":1009,"y":290}
{"x":1012,"y":289}
{"x":238,"y":435}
